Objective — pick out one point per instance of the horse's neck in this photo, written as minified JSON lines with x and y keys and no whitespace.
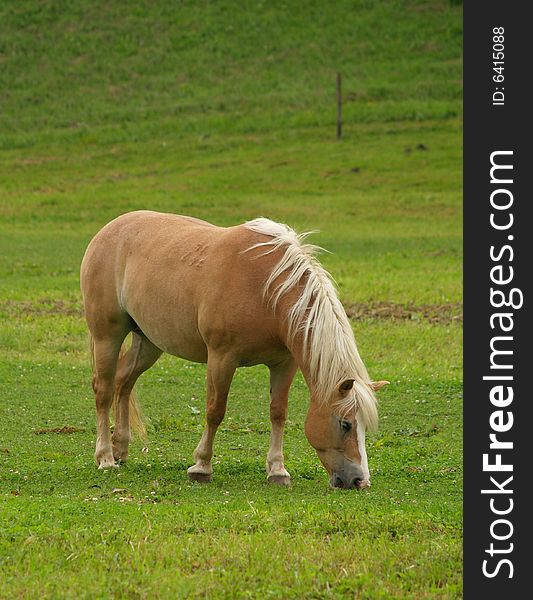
{"x":296,"y":344}
{"x":296,"y":348}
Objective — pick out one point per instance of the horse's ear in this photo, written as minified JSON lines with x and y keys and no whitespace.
{"x":377,"y":385}
{"x":346,"y":386}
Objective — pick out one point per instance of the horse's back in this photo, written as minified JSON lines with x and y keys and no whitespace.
{"x":139,"y":233}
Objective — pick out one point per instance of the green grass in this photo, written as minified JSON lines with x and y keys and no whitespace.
{"x":226,"y":111}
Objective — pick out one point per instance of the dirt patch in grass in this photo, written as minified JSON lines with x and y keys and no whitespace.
{"x":434,"y":313}
{"x":63,"y":430}
{"x":42,"y":306}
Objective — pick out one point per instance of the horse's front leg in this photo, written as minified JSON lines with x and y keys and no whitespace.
{"x":281,"y":376}
{"x":220,"y":370}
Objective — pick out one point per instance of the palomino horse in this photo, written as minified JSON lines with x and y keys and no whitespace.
{"x":229,"y":297}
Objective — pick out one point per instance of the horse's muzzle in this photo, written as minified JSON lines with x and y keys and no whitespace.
{"x":348,"y":479}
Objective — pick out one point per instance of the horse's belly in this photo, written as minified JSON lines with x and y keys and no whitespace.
{"x":187,"y":348}
{"x":178,"y":341}
{"x":169,"y":321}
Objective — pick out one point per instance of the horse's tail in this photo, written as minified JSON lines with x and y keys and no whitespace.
{"x":135,"y":415}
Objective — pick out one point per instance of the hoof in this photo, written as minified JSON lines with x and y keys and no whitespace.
{"x":200,"y":477}
{"x":119,"y":454}
{"x":284,"y":480}
{"x":107,"y":464}
{"x":120,"y":458}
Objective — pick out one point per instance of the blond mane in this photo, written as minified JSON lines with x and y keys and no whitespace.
{"x":329,"y":343}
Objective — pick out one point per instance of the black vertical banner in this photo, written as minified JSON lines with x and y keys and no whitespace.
{"x":498,"y":351}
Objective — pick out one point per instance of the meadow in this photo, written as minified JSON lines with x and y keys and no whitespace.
{"x":226,"y":111}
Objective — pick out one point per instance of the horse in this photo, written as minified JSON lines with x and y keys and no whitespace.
{"x":249,"y":294}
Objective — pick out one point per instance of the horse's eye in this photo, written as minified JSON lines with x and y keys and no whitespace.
{"x":346,"y":426}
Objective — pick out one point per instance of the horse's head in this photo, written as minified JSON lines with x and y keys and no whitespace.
{"x":336,"y":430}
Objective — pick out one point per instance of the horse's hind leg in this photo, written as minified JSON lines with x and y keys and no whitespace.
{"x":106,"y":353}
{"x":220,"y":370}
{"x":281,"y":376}
{"x":141,"y":355}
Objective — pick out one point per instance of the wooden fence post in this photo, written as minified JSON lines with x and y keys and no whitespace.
{"x":339,"y":106}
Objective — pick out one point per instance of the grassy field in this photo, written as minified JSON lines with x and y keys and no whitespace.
{"x":226,"y":111}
